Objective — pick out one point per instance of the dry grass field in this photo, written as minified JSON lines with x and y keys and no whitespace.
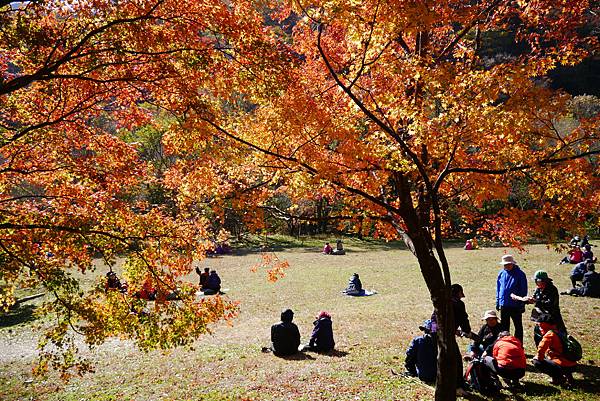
{"x":371,"y":333}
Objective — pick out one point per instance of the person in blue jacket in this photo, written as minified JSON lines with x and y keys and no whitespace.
{"x":511,"y":280}
{"x":421,"y":355}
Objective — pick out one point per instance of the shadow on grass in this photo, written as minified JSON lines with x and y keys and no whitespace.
{"x":21,"y":314}
{"x":300,"y":356}
{"x":529,"y":389}
{"x":334,"y":354}
{"x":591,"y":382}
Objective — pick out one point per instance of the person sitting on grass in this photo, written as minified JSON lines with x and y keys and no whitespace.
{"x":468,"y":245}
{"x":327,"y":249}
{"x":508,"y":359}
{"x":590,"y":286}
{"x":421,"y":355}
{"x":578,"y":271}
{"x":575,"y":256}
{"x":321,"y":339}
{"x":587,"y":253}
{"x":285,"y":336}
{"x":549,"y":358}
{"x":354,"y":286}
{"x":213,"y":284}
{"x":484,"y":340}
{"x":339,"y":248}
{"x":203,"y":277}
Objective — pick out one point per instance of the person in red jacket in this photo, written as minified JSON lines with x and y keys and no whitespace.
{"x":508,"y":359}
{"x":549,"y":358}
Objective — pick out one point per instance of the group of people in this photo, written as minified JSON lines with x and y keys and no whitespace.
{"x":285,"y":336}
{"x":210,"y":282}
{"x":339,"y":248}
{"x":494,"y":346}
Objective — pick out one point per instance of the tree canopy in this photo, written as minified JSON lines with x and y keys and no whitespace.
{"x":392,"y":108}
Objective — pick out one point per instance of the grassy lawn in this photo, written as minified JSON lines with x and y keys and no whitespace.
{"x":371,"y":333}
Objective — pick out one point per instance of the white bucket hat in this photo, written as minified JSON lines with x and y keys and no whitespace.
{"x":507,"y":260}
{"x":488,"y":314}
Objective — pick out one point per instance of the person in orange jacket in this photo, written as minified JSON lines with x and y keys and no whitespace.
{"x":549,"y":358}
{"x":508,"y":359}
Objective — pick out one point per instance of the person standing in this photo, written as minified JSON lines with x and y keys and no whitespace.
{"x":462,"y":327}
{"x":511,"y":280}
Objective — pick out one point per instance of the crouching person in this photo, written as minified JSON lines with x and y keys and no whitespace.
{"x":508,"y":360}
{"x":285,"y":336}
{"x":549,"y":358}
{"x":421,"y":355}
{"x":321,"y":339}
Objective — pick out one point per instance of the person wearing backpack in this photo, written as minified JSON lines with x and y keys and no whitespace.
{"x":508,"y":359}
{"x":550,"y":357}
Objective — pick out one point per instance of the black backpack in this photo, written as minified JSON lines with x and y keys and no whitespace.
{"x":482,"y":379}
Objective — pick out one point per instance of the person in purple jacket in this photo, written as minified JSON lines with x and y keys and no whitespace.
{"x":511,"y":280}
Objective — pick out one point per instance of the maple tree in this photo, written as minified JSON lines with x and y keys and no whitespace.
{"x":76,"y":79}
{"x":392,"y":107}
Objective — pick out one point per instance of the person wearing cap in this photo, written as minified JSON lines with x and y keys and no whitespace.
{"x":511,"y":280}
{"x":549,"y":357}
{"x":484,"y":340}
{"x":421,"y":355}
{"x":507,"y":359}
{"x":546,"y":302}
{"x":321,"y":339}
{"x":590,"y":286}
{"x":285,"y":336}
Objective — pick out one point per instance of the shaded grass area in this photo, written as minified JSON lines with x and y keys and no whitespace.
{"x":372,"y":334}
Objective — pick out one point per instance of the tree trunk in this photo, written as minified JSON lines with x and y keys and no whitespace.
{"x":439,"y":291}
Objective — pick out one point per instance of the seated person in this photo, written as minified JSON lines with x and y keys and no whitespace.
{"x":285,"y":336}
{"x":578,"y":272}
{"x":203,"y":277}
{"x":475,"y":243}
{"x":549,"y":358}
{"x":113,"y":283}
{"x":508,"y":359}
{"x":484,"y":340}
{"x":327,"y":249}
{"x":339,"y":248}
{"x":468,"y":245}
{"x":421,"y":355}
{"x":590,"y":286}
{"x":321,"y":339}
{"x":213,"y":283}
{"x":354,"y":286}
{"x":575,"y":256}
{"x":587,"y":253}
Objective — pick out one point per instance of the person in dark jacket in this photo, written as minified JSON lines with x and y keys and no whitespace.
{"x":546,"y":302}
{"x":354,"y":286}
{"x":213,"y":283}
{"x":321,"y":339}
{"x":484,"y":340}
{"x":587,"y":253}
{"x":285,"y":336}
{"x":203,"y":277}
{"x":590,"y":286}
{"x":462,"y":327}
{"x":421,"y":355}
{"x":511,"y":280}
